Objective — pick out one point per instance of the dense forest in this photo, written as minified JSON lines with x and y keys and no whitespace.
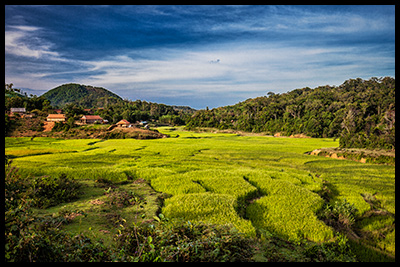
{"x":83,"y":95}
{"x":359,"y":112}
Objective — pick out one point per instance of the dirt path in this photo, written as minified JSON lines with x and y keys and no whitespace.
{"x":48,"y":126}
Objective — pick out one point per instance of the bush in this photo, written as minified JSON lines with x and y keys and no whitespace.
{"x":341,"y":212}
{"x":121,"y":198}
{"x":49,"y":191}
{"x":184,"y":242}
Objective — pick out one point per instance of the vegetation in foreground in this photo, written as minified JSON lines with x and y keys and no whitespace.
{"x":143,"y":178}
{"x":35,"y":237}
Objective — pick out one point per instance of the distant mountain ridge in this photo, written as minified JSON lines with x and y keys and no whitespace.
{"x":84,"y":95}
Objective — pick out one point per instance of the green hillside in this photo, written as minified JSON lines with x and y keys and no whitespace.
{"x":359,"y":112}
{"x":84,"y":95}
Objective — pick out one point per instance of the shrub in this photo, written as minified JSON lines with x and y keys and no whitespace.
{"x":49,"y":191}
{"x":340,"y":212}
{"x":121,"y":198}
{"x":184,"y":242}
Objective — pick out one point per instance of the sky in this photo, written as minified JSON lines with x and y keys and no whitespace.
{"x":197,"y":56}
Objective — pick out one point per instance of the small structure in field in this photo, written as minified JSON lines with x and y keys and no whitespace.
{"x":56,"y":117}
{"x":89,"y":119}
{"x":123,"y":123}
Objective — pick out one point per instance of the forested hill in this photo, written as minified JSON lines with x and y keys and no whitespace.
{"x":360,"y":112}
{"x":82,"y":95}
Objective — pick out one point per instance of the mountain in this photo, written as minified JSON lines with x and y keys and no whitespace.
{"x":359,"y":112}
{"x":84,"y":95}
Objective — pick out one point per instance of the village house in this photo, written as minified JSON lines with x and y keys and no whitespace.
{"x":123,"y":123}
{"x":88,"y":119}
{"x":56,"y":117}
{"x":17,"y":110}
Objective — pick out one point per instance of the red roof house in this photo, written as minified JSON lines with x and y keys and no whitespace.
{"x":88,"y":119}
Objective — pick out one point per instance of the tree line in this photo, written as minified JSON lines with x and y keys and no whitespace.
{"x":113,"y":109}
{"x":139,"y":110}
{"x":359,"y":112}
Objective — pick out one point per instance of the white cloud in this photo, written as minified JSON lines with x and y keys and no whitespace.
{"x":242,"y":68}
{"x":238,"y":65}
{"x":22,"y":41}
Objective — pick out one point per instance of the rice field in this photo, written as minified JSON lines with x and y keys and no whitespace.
{"x":255,"y":183}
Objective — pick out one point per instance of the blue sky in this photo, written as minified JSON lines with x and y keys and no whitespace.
{"x":196,"y":55}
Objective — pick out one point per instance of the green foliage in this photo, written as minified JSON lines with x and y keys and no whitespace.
{"x":341,"y":212}
{"x":172,"y":120}
{"x":15,"y":99}
{"x":280,"y":250}
{"x":138,"y":110}
{"x":83,"y":95}
{"x":49,"y":191}
{"x":360,"y":112}
{"x":181,"y":241}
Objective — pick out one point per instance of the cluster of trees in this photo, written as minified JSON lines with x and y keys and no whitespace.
{"x":359,"y":112}
{"x":138,"y":110}
{"x":15,"y":98}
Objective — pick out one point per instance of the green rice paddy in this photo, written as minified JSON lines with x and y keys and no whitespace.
{"x":255,"y":183}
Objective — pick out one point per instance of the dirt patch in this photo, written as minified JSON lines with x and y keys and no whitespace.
{"x":357,"y":154}
{"x":133,"y":132}
{"x":48,"y":126}
{"x":139,"y":181}
{"x":279,"y":134}
{"x":96,"y":202}
{"x":299,"y":136}
{"x":72,"y":216}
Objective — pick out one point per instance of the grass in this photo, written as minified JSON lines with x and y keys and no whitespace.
{"x":255,"y":183}
{"x":93,"y":214}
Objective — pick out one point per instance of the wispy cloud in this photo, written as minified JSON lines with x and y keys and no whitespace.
{"x":204,"y":55}
{"x":244,"y":69}
{"x":23,"y":41}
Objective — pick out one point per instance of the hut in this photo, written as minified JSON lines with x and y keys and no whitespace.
{"x":123,"y":123}
{"x":17,"y":110}
{"x":56,"y":117}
